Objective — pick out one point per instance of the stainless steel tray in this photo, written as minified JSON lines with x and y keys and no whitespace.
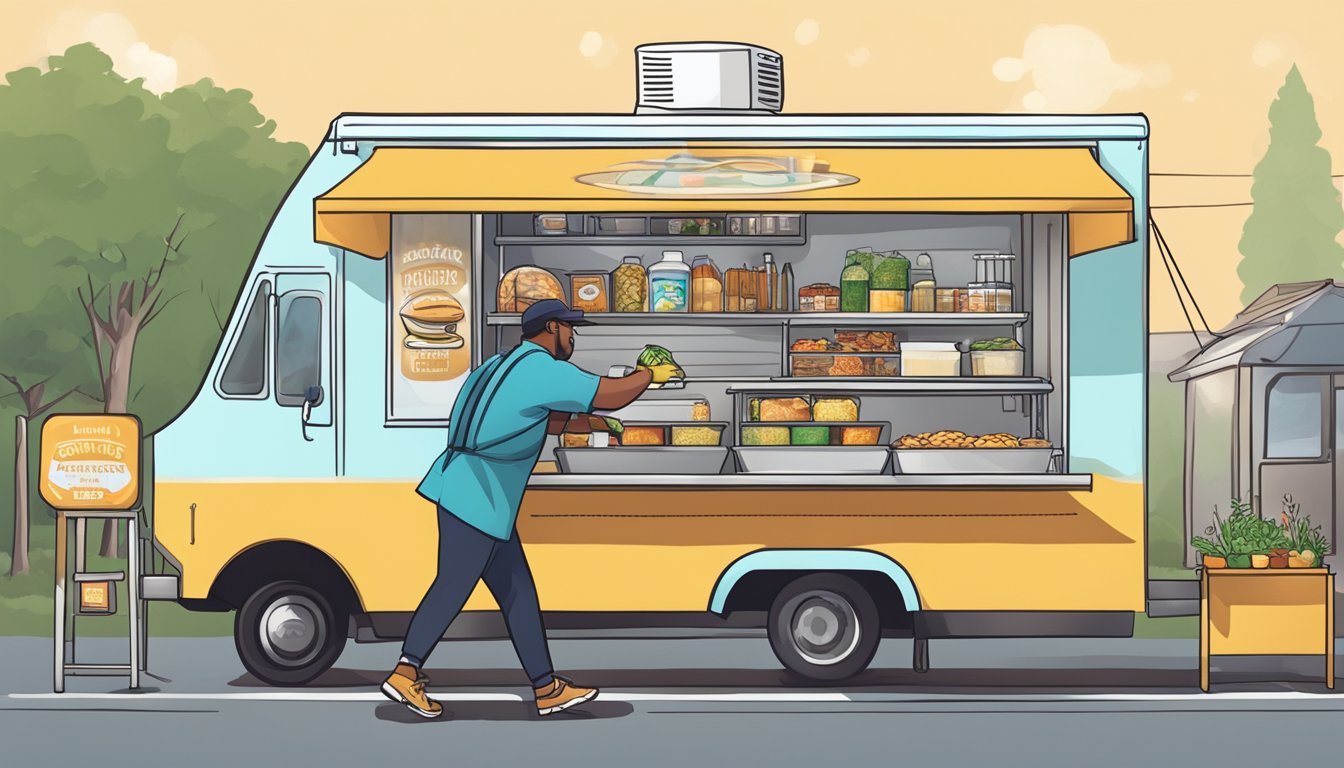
{"x":643,"y":460}
{"x":812,"y":460}
{"x":971,"y":461}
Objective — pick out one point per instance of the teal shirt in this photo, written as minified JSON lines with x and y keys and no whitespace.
{"x":483,"y":485}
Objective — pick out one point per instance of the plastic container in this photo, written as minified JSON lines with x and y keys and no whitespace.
{"x":757,"y":435}
{"x":670,"y":284}
{"x":854,"y":287}
{"x":930,"y":358}
{"x":706,"y":286}
{"x":992,"y":290}
{"x":698,"y":434}
{"x":996,"y":362}
{"x":923,"y":289}
{"x":630,"y":286}
{"x":591,"y":291}
{"x":948,"y":299}
{"x":809,"y":435}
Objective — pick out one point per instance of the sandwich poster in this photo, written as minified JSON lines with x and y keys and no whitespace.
{"x":430,"y":306}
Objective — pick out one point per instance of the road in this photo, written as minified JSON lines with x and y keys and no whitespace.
{"x":720,"y":701}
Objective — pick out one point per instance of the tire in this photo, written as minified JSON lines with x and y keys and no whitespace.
{"x":288,"y":633}
{"x":824,"y":627}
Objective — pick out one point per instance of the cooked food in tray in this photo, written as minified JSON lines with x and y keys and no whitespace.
{"x":522,"y":287}
{"x":765,"y":435}
{"x":849,"y":341}
{"x":951,"y":438}
{"x":781,"y":409}
{"x":835,"y":409}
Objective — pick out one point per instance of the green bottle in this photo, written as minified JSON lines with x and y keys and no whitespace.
{"x":853,"y":286}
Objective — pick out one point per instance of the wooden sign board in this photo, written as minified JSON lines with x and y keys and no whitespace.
{"x":91,"y":461}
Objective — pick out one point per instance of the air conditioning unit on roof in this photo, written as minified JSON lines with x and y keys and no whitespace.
{"x":708,"y":78}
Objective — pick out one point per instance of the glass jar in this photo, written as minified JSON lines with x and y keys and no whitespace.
{"x":706,"y":286}
{"x":946,"y":299}
{"x":630,"y":286}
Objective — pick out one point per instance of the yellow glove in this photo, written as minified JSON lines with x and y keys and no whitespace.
{"x":664,"y":372}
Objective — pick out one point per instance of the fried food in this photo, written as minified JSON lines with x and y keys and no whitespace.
{"x":846,"y":366}
{"x":952,"y":438}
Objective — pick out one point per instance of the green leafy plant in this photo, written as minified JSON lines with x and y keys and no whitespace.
{"x":1300,"y":534}
{"x":1242,"y":534}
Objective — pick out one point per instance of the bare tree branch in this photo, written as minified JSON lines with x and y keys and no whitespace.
{"x":52,"y":404}
{"x":155,"y":313}
{"x":210,"y":298}
{"x":95,"y":322}
{"x":95,"y":319}
{"x":168,"y":248}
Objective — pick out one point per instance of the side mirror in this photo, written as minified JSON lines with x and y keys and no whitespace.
{"x":311,"y":396}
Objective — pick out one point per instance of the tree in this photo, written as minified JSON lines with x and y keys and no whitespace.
{"x":147,"y":207}
{"x":40,"y":359}
{"x":1290,"y":235}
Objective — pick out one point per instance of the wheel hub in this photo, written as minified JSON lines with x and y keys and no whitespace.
{"x":292,"y":630}
{"x":825,"y":627}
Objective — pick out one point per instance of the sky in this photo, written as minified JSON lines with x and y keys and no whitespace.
{"x":1203,"y":72}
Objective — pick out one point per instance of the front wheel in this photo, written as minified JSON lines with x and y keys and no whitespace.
{"x":288,"y":633}
{"x":824,"y":627}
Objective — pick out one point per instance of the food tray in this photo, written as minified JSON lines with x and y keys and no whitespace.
{"x":642,"y":460}
{"x":669,"y":427}
{"x":809,"y":460}
{"x":662,"y":411}
{"x":835,"y":426}
{"x":971,"y":461}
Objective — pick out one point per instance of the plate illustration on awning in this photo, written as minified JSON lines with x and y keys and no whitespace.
{"x":690,"y":175}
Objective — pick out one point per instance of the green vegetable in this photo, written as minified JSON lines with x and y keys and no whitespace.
{"x":811,"y":436}
{"x":891,"y":274}
{"x":864,"y":257}
{"x":614,"y":425}
{"x":655,"y":355}
{"x":996,"y":344}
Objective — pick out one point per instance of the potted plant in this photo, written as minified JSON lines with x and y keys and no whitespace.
{"x":1212,"y":551}
{"x":1307,"y":544}
{"x":1247,"y":539}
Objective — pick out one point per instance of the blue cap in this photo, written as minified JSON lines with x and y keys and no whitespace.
{"x":539,"y":314}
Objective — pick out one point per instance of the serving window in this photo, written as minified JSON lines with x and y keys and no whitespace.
{"x":429,"y":342}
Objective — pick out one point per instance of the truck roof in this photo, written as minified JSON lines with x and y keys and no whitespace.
{"x":520,"y":127}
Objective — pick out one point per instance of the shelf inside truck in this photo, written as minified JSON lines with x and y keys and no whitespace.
{"x":796,"y":319}
{"x":955,"y":385}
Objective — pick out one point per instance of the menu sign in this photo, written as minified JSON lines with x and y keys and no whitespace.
{"x":91,"y":461}
{"x":429,"y":300}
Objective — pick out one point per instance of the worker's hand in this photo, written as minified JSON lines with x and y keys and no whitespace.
{"x":664,"y":372}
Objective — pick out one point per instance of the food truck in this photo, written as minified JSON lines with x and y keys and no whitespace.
{"x":914,"y":393}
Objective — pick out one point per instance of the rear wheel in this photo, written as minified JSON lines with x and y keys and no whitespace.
{"x":288,"y":633}
{"x":824,"y":626}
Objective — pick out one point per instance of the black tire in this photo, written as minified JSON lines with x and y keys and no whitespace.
{"x":288,"y":633}
{"x":824,"y":626}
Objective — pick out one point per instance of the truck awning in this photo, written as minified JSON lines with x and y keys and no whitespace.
{"x":356,"y":213}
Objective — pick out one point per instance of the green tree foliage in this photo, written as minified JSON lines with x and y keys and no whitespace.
{"x":127,"y":221}
{"x":1290,"y":235}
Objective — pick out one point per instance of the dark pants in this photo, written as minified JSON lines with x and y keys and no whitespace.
{"x":467,"y":556}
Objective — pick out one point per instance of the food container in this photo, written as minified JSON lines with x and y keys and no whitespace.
{"x":779,"y":409}
{"x":644,"y":434}
{"x":522,"y":287}
{"x":781,"y":224}
{"x":820,"y":460}
{"x":575,"y":440}
{"x":643,"y":460}
{"x":840,"y":409}
{"x":630,"y":286}
{"x":591,"y":291}
{"x":765,"y":435}
{"x":701,"y":433}
{"x":998,"y":362}
{"x":551,"y":224}
{"x":930,"y":358}
{"x":700,"y":411}
{"x":970,"y":461}
{"x":886,"y":300}
{"x":819,"y":297}
{"x":948,"y":299}
{"x":809,"y":435}
{"x":860,"y":435}
{"x":741,"y":225}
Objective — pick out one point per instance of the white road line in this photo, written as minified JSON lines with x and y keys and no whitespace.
{"x":874,"y":698}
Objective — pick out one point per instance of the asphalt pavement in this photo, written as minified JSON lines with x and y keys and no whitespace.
{"x":716,"y":701}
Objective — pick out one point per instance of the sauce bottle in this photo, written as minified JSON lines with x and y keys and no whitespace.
{"x":669,"y":284}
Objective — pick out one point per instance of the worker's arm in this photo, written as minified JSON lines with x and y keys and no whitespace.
{"x":555,"y":424}
{"x":618,"y":392}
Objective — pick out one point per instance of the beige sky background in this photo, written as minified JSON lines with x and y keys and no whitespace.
{"x":1203,"y":72}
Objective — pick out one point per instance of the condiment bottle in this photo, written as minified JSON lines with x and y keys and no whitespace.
{"x":785,"y":295}
{"x":922,"y":285}
{"x":630,"y":286}
{"x":669,"y":284}
{"x":706,"y":286}
{"x":853,"y":286}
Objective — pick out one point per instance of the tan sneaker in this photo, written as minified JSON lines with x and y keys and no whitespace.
{"x":403,"y":690}
{"x":561,"y":695}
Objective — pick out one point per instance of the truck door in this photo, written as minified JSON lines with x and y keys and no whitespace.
{"x":1299,"y":450}
{"x":303,"y":358}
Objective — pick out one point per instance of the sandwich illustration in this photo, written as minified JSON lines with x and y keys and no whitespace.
{"x":431,"y":319}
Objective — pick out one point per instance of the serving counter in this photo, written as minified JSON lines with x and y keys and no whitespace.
{"x":1072,"y":482}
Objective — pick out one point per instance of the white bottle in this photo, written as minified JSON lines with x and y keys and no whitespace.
{"x":670,"y":284}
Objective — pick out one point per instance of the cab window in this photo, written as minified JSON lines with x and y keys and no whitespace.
{"x":244,"y":372}
{"x":298,"y":358}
